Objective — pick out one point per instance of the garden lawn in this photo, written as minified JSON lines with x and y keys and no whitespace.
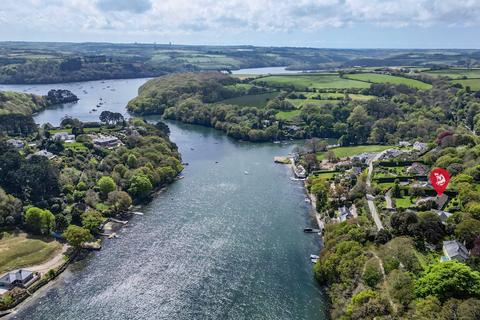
{"x":385,"y":78}
{"x":343,"y":152}
{"x":404,"y":202}
{"x":20,"y":250}
{"x":326,"y":175}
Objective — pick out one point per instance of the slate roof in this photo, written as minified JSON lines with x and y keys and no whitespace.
{"x":454,"y":250}
{"x":19,"y":275}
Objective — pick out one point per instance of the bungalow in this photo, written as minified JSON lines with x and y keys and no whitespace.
{"x":404,"y":144}
{"x":20,"y":278}
{"x":454,"y":250}
{"x":16,"y":143}
{"x":418,"y":169}
{"x":106,"y":141}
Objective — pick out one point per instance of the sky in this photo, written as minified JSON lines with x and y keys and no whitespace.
{"x":299,"y":23}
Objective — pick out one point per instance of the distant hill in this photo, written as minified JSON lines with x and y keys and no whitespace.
{"x":40,"y":62}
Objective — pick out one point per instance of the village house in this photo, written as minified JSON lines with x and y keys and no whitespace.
{"x":443,"y":215}
{"x":420,"y":146}
{"x":65,"y":137}
{"x":43,"y":153}
{"x":439,"y":201}
{"x":355,"y":171}
{"x":454,"y":250}
{"x":16,"y":143}
{"x":404,"y":144}
{"x":363,"y":157}
{"x":418,"y":169}
{"x":342,"y":165}
{"x":391,"y":153}
{"x":106,"y":141}
{"x":20,"y":278}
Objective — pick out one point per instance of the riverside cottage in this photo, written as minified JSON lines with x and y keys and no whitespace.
{"x":20,"y":278}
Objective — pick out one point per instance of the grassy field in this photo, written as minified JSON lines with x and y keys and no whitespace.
{"x":455,"y":73}
{"x":254,"y":100}
{"x":343,"y":152}
{"x":404,"y":202}
{"x":360,"y":97}
{"x":385,"y":185}
{"x":474,"y":84}
{"x":287,"y":115}
{"x":298,"y":103}
{"x":335,"y":95}
{"x":317,"y":81}
{"x":384,"y":78}
{"x":20,"y":250}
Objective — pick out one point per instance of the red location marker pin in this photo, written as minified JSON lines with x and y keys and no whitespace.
{"x":439,"y":179}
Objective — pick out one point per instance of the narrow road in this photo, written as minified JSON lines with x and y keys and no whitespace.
{"x":53,"y":263}
{"x":388,"y":199}
{"x":371,"y":204}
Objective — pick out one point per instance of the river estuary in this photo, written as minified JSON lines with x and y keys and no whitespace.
{"x":225,"y":242}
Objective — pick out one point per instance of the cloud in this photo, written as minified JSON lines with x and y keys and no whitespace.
{"x":228,"y":18}
{"x":133,"y":6}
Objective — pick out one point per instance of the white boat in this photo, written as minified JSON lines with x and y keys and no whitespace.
{"x":314,"y":256}
{"x":314,"y":260}
{"x":245,"y":172}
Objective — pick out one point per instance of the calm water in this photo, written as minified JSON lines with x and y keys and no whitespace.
{"x":218,"y":244}
{"x":113,"y":93}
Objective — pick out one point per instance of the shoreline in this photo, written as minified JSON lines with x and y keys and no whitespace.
{"x":43,"y":282}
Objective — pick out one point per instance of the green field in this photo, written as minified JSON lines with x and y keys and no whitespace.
{"x":335,"y":95}
{"x":298,"y":103}
{"x":474,"y":84}
{"x":343,"y":152}
{"x":253,"y":100}
{"x":385,"y":78}
{"x":287,"y":115}
{"x":405,"y":202}
{"x":360,"y":97}
{"x":317,"y":81}
{"x":455,"y":73}
{"x":20,"y":250}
